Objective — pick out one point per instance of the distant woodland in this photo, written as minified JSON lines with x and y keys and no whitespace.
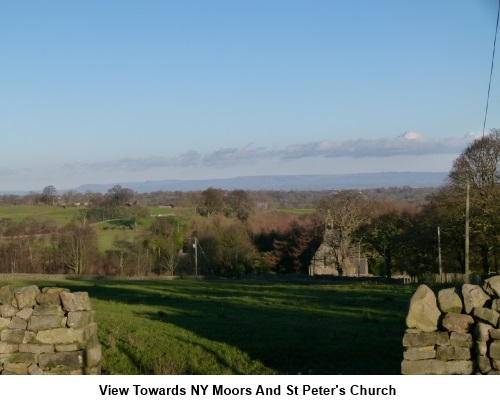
{"x":230,"y":233}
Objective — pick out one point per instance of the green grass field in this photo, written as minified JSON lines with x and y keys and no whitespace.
{"x":39,"y":212}
{"x":246,"y":327}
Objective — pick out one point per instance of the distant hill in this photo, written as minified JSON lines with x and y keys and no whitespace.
{"x":286,"y":182}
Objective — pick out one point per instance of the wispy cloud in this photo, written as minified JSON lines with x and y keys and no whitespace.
{"x":409,"y":143}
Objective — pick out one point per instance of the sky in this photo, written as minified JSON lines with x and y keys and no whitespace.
{"x":111,"y":91}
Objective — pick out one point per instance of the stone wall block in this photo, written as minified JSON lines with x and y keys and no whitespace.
{"x":435,"y":367}
{"x":78,"y":301}
{"x":4,"y":323}
{"x":80,"y":319}
{"x":495,"y":334}
{"x":481,"y":331}
{"x":33,"y":369}
{"x":486,"y":315}
{"x":12,"y":335}
{"x":50,"y":296}
{"x":474,"y":296}
{"x":494,"y":351}
{"x":483,"y":364}
{"x":423,"y":313}
{"x":492,"y":286}
{"x":47,"y":310}
{"x":461,"y":339}
{"x":425,"y":339}
{"x":26,"y":296}
{"x":453,"y":353}
{"x":18,"y":323}
{"x":38,"y":323}
{"x":36,"y":348}
{"x":454,"y":322}
{"x":8,"y":311}
{"x":449,"y":301}
{"x":61,"y":360}
{"x":420,"y":353}
{"x":15,"y":369}
{"x":7,"y":347}
{"x":60,"y":335}
{"x":25,"y":313}
{"x":6,"y":295}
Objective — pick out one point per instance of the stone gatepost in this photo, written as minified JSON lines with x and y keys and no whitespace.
{"x":52,"y":331}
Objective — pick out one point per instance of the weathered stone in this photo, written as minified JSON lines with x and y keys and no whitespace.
{"x":481,"y":348}
{"x":474,"y":296}
{"x":18,"y":357}
{"x":495,"y":305}
{"x":26,"y":296}
{"x":35,"y":348}
{"x":4,"y":323}
{"x":435,"y":367}
{"x":461,"y":339}
{"x":495,"y":364}
{"x":80,"y":319}
{"x":412,"y":330}
{"x":420,"y":353}
{"x":7,"y":347}
{"x":60,"y":336}
{"x":71,"y":347}
{"x":423,"y":313}
{"x":486,"y":315}
{"x":37,"y":323}
{"x":495,"y":350}
{"x":495,"y":334}
{"x":67,"y":360}
{"x":454,"y":322}
{"x":54,"y":290}
{"x":483,"y":364}
{"x":30,"y":337}
{"x":89,"y":331}
{"x":12,"y":335}
{"x":92,"y":370}
{"x":449,"y":301}
{"x":492,"y":286}
{"x":481,"y":331}
{"x":93,"y":356}
{"x":425,"y":339}
{"x":78,"y":301}
{"x":25,"y":313}
{"x":453,"y":353}
{"x":15,"y":368}
{"x":18,"y":323}
{"x":6,"y":295}
{"x":33,"y":369}
{"x":48,"y":310}
{"x":50,"y":296}
{"x":8,"y":311}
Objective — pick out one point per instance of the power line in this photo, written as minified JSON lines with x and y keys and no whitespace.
{"x":491,"y":70}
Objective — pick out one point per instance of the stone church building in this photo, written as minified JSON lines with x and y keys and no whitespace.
{"x":323,"y":261}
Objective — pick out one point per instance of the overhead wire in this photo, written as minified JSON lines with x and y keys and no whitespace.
{"x":491,"y":69}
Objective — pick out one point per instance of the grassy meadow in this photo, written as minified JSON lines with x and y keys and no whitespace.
{"x":245,"y":327}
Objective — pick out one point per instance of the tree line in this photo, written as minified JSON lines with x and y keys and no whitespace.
{"x":231,"y":236}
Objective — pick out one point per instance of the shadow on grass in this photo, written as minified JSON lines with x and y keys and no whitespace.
{"x":291,"y":328}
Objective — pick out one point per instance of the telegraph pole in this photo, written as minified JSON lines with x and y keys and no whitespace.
{"x":439,"y":253}
{"x":467,"y":233}
{"x":195,"y":245}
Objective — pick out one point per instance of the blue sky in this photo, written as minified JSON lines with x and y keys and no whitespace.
{"x":103,"y":91}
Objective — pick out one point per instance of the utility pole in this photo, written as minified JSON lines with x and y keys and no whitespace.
{"x":467,"y":233}
{"x":195,"y":245}
{"x":439,"y":253}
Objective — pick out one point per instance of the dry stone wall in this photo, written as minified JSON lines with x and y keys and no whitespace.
{"x":52,"y":331}
{"x":456,"y":331}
